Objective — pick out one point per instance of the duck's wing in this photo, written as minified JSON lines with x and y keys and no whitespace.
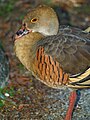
{"x":75,"y":31}
{"x":70,"y":50}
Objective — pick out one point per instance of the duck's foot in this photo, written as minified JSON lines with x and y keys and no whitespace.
{"x":72,"y":102}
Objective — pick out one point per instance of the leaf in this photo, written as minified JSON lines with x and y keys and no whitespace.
{"x":1,"y":103}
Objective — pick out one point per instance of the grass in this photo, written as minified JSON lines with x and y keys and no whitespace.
{"x":3,"y":98}
{"x":21,"y":66}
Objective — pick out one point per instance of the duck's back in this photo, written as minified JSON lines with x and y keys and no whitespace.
{"x":70,"y":48}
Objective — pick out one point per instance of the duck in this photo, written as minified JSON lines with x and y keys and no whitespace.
{"x":57,"y":55}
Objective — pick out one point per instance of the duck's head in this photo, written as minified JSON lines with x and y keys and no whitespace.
{"x":42,"y":19}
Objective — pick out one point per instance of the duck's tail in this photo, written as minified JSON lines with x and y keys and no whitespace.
{"x":81,"y":80}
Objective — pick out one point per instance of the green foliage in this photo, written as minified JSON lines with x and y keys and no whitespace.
{"x":83,"y":9}
{"x":1,"y":89}
{"x":47,"y":1}
{"x":1,"y":103}
{"x":1,"y":47}
{"x":4,"y":98}
{"x":10,"y":91}
{"x":6,"y":7}
{"x":20,"y":66}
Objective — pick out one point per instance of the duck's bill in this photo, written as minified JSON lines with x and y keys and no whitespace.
{"x":21,"y":33}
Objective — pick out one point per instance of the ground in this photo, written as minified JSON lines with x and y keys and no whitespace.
{"x":34,"y":100}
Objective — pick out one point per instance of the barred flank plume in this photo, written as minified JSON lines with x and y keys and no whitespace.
{"x":81,"y":80}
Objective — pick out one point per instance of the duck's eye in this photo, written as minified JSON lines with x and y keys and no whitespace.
{"x":34,"y":20}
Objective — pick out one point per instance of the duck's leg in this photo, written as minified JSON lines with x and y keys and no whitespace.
{"x":74,"y":97}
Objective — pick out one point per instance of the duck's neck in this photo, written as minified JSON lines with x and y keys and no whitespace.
{"x":25,"y":48}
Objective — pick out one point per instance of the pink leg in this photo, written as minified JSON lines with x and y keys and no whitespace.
{"x":72,"y":100}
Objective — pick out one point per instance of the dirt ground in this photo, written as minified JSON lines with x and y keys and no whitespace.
{"x":34,"y":100}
